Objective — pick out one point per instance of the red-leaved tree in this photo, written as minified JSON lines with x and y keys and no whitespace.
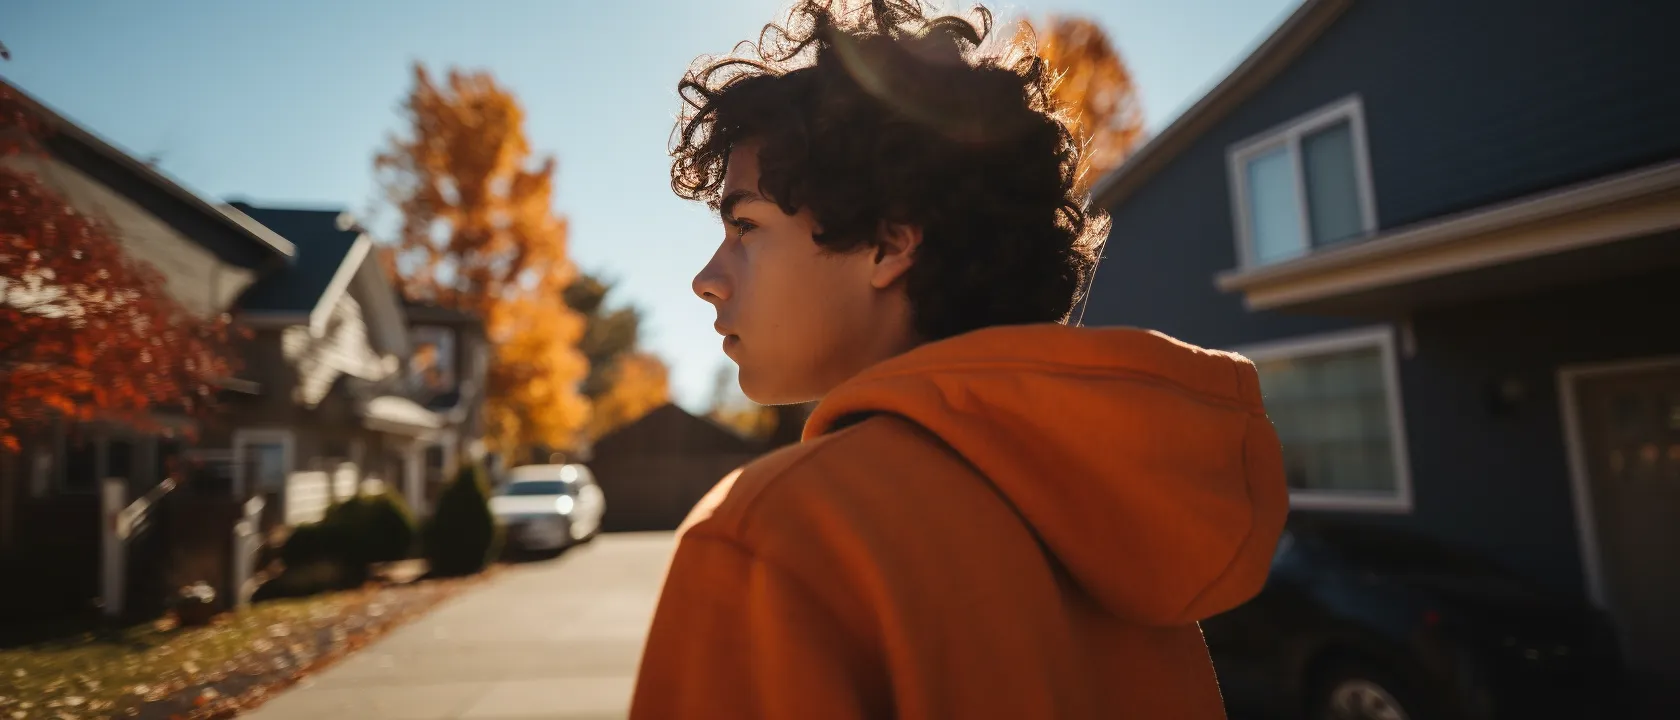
{"x":86,"y":331}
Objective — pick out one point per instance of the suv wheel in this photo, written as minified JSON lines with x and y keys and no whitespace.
{"x":1361,"y":693}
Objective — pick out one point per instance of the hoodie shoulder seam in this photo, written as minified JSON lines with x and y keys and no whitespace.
{"x":1248,"y":535}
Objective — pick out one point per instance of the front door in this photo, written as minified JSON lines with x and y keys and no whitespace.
{"x":1630,"y":437}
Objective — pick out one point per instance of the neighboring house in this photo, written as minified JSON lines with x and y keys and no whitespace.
{"x":450,"y":361}
{"x":336,"y":403}
{"x":652,"y":471}
{"x":49,"y":507}
{"x":1448,"y":233}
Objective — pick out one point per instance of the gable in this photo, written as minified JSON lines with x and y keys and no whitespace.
{"x":73,"y":146}
{"x":193,"y":275}
{"x":341,"y":349}
{"x":669,"y":429}
{"x":1465,"y":104}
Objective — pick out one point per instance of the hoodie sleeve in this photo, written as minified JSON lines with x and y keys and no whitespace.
{"x":737,"y":637}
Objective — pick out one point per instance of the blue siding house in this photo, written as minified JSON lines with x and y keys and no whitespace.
{"x":1448,"y":233}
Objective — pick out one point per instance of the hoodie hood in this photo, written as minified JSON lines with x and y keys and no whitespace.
{"x":1146,"y":465}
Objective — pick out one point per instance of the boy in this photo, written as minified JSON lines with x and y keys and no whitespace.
{"x":992,"y":514}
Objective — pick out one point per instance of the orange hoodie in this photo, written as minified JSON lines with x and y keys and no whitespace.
{"x":1018,"y":522}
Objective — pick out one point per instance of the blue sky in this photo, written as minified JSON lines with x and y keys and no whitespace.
{"x":286,"y":103}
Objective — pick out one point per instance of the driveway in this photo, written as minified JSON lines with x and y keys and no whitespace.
{"x":553,"y":639}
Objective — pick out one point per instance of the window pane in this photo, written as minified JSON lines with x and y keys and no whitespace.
{"x":537,"y":487}
{"x":265,"y":467}
{"x":119,"y":461}
{"x":434,"y":357}
{"x":1331,"y":413}
{"x":1274,"y":208}
{"x":1332,"y":186}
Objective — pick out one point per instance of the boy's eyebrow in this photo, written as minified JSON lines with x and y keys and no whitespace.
{"x":726,"y":207}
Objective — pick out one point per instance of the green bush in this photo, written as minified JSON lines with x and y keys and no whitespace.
{"x":308,"y":543}
{"x":462,"y":536}
{"x":304,"y":580}
{"x":388,"y":531}
{"x":352,"y":535}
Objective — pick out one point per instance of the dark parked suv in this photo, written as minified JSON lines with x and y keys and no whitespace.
{"x":1363,"y":622}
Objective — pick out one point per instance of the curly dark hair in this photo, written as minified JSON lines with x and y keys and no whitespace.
{"x":879,"y":114}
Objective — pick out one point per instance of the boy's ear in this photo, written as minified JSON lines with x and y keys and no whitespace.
{"x":895,"y":251}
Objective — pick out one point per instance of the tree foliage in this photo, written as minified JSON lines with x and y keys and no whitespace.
{"x":86,"y":330}
{"x":636,"y":383}
{"x":733,"y":410}
{"x":624,"y":383}
{"x":1095,"y":89}
{"x":609,"y":333}
{"x":479,"y":234}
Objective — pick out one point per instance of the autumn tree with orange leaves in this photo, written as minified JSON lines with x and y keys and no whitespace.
{"x":1093,"y":87}
{"x":86,"y":331}
{"x":624,"y":381}
{"x":479,"y":234}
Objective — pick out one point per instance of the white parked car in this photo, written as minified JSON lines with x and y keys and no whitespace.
{"x":549,"y":507}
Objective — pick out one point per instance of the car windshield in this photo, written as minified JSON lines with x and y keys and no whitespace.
{"x":536,"y":487}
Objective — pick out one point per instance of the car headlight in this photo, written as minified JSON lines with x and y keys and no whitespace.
{"x":563,"y":504}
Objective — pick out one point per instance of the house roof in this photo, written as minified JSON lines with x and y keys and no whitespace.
{"x":1294,"y":35}
{"x":326,"y":254}
{"x":671,"y":429}
{"x":65,"y":129}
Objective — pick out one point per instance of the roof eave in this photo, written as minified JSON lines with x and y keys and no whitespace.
{"x":1291,"y":37}
{"x":69,"y":129}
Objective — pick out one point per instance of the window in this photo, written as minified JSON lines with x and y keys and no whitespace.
{"x":537,"y":487}
{"x":1335,"y":402}
{"x":1303,"y":187}
{"x":433,"y":366}
{"x":92,"y":454}
{"x":262,"y":462}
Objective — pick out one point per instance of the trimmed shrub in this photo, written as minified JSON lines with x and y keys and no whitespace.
{"x":308,"y":543}
{"x":388,"y":531}
{"x":336,"y":551}
{"x":462,"y":536}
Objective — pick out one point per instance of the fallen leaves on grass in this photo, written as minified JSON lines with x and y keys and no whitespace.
{"x":158,"y":671}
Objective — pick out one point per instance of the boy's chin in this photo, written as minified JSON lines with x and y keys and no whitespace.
{"x":758,"y":390}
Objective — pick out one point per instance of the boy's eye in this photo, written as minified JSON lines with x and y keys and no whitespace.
{"x":742,"y":225}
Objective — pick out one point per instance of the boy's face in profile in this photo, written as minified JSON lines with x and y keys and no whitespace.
{"x":796,"y":318}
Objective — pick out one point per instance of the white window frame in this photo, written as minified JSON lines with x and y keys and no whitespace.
{"x":261,"y":436}
{"x":1381,"y":337}
{"x":1351,"y":109}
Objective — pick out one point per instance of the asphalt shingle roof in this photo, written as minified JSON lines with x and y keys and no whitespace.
{"x":321,"y":248}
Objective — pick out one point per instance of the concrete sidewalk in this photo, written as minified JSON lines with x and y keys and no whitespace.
{"x":555,"y":639}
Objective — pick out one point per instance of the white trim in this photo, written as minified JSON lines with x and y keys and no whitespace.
{"x":1290,"y":38}
{"x":1289,"y":134}
{"x":339,"y":284}
{"x":1553,"y":221}
{"x":1381,"y":337}
{"x":1580,"y":480}
{"x":244,"y":436}
{"x":414,"y":477}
